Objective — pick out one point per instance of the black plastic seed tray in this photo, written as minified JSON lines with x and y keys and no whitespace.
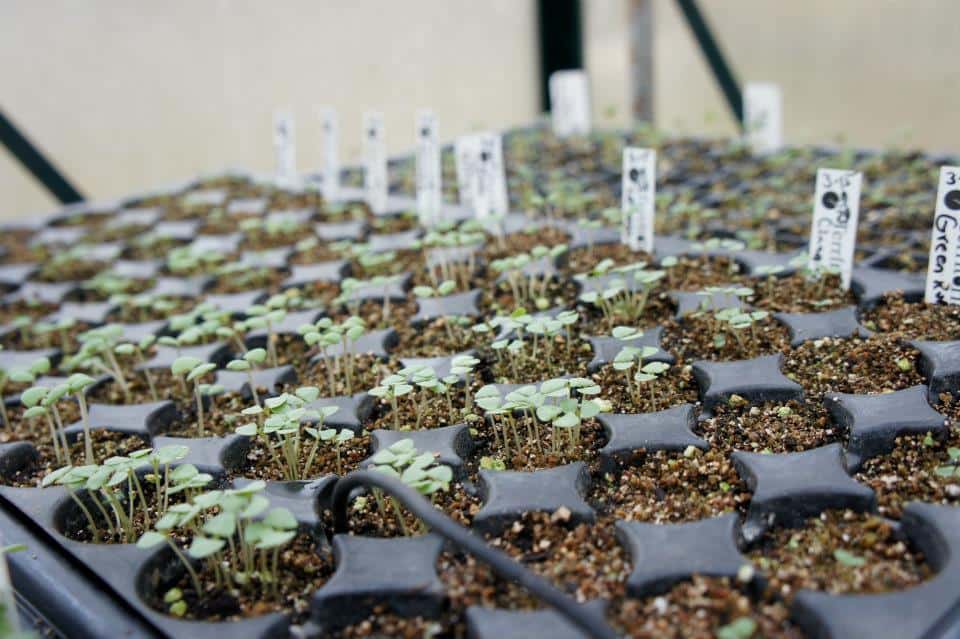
{"x":91,"y":590}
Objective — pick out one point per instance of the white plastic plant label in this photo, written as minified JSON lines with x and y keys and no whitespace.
{"x":943,"y":268}
{"x":374,"y":162}
{"x":570,"y":102}
{"x":763,"y":116}
{"x":833,"y":233}
{"x":481,"y":177}
{"x":429,"y":177}
{"x":639,"y":189}
{"x":330,"y":126}
{"x":284,"y":144}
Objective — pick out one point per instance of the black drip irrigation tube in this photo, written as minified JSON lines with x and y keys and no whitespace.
{"x":586,"y":619}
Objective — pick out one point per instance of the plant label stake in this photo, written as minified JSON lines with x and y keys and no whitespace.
{"x":763,"y":116}
{"x":429,"y":177}
{"x":943,"y":268}
{"x":481,"y":178}
{"x":570,"y":102}
{"x":283,"y":143}
{"x":331,"y":152}
{"x":374,"y":162}
{"x":833,"y":233}
{"x":638,"y":188}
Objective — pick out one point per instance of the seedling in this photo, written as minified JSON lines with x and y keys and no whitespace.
{"x":267,"y":316}
{"x":97,"y":353}
{"x":139,"y":350}
{"x":445,"y":267}
{"x":61,"y":328}
{"x":246,"y":364}
{"x":76,"y":385}
{"x":41,"y":401}
{"x":115,"y":489}
{"x":420,"y":471}
{"x":648,"y":373}
{"x":392,"y":388}
{"x":41,"y":366}
{"x":326,"y":335}
{"x":952,"y":468}
{"x":528,"y":288}
{"x":192,"y":370}
{"x":279,"y":425}
{"x":442,"y":290}
{"x":626,"y":295}
{"x":349,"y":288}
{"x":770,"y":272}
{"x":239,"y":544}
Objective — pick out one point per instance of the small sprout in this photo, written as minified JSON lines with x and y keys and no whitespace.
{"x":739,"y":628}
{"x":848,"y":559}
{"x":253,"y":357}
{"x":191,"y":369}
{"x":420,"y":471}
{"x":904,"y":364}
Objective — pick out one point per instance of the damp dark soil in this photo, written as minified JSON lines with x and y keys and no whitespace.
{"x":839,"y":552}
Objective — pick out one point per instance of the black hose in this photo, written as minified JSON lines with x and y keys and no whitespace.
{"x":584,"y":618}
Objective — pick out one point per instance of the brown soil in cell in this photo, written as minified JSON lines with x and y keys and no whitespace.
{"x":153,"y":251}
{"x":382,"y":624}
{"x":17,"y":248}
{"x":667,"y":487}
{"x":376,"y":315}
{"x":322,"y":252}
{"x":696,"y":273}
{"x":367,"y":518}
{"x":878,"y":364}
{"x":697,"y":609}
{"x":221,"y":416}
{"x":71,"y":271}
{"x":166,"y":385}
{"x":263,"y":241}
{"x":658,"y":310}
{"x":839,"y":552}
{"x":797,"y":294}
{"x":531,"y":367}
{"x":514,"y":243}
{"x":498,"y":298}
{"x":914,"y":320}
{"x":435,"y":339}
{"x":909,"y":473}
{"x":130,"y":314}
{"x":532,"y":446}
{"x":261,"y":463}
{"x":584,"y":560}
{"x":303,"y":567}
{"x":770,"y":427}
{"x":36,"y":310}
{"x":88,"y":295}
{"x":704,"y":337}
{"x":582,"y":260}
{"x":267,"y":278}
{"x":393,"y":224}
{"x":26,"y":340}
{"x":676,"y":386}
{"x":106,"y":444}
{"x":367,"y":372}
{"x":403,"y":261}
{"x":434,"y":409}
